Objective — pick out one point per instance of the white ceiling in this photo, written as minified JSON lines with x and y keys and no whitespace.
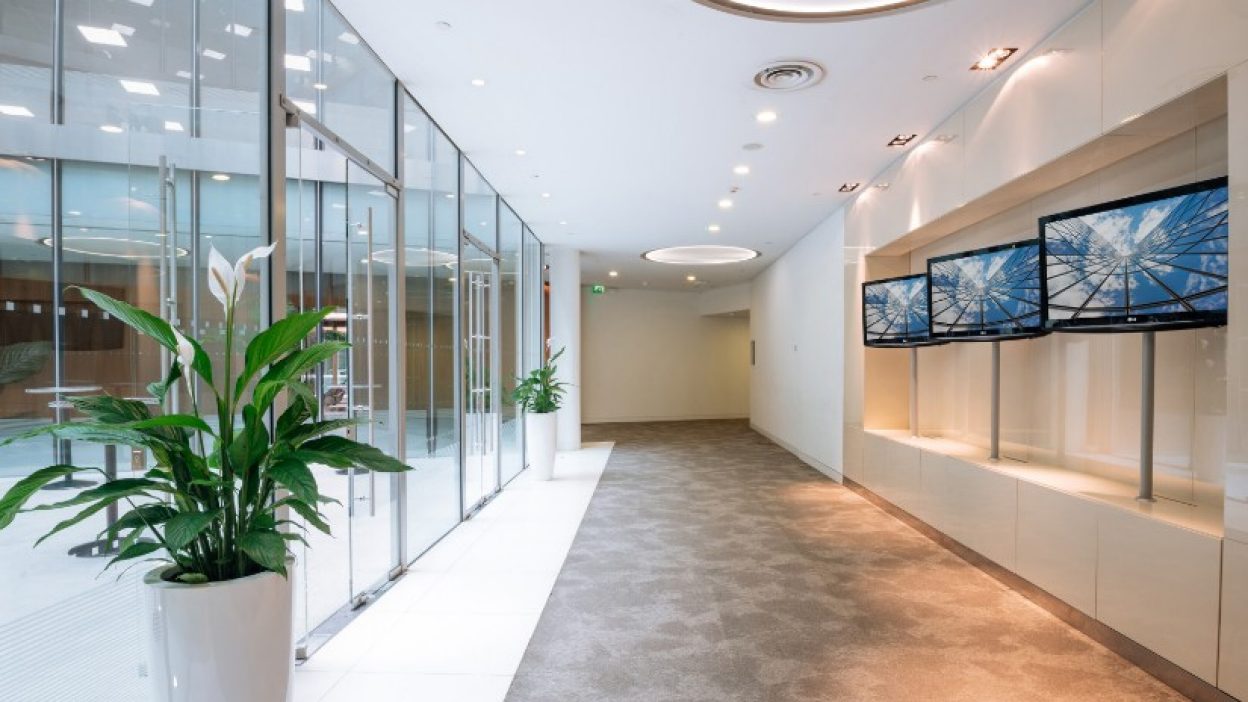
{"x":634,"y":112}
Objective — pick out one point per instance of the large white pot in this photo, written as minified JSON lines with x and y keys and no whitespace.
{"x":220,"y":642}
{"x":539,"y":442}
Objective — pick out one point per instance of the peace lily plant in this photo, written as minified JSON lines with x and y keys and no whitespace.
{"x":219,"y":503}
{"x":540,"y":395}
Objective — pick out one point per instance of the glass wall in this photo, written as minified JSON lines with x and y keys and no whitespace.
{"x":122,"y":165}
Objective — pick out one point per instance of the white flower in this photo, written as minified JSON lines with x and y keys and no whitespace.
{"x":226,"y":282}
{"x":186,"y":352}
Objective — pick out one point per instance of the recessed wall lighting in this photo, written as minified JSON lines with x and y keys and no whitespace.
{"x":521,"y":152}
{"x":478,"y":82}
{"x":902,"y":140}
{"x":993,"y":59}
{"x":741,"y":170}
{"x":173,"y":126}
{"x":241,"y":30}
{"x":138,"y":87}
{"x":713,"y":228}
{"x":220,"y":177}
{"x":102,"y":35}
{"x":766,"y":116}
{"x":700,"y":255}
{"x":322,"y":86}
{"x":111,"y":128}
{"x":15,"y":111}
{"x":295,"y":62}
{"x":725,"y":204}
{"x":849,"y":187}
{"x":213,"y":54}
{"x":613,"y":274}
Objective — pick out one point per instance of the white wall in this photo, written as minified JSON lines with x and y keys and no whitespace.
{"x":652,"y":355}
{"x":797,"y":322}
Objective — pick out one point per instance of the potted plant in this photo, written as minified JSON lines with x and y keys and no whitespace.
{"x":540,"y":395}
{"x":222,"y":505}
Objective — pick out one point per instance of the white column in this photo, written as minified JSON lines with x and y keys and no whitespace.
{"x":565,"y":333}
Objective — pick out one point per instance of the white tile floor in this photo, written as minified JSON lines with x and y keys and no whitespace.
{"x":456,"y":626}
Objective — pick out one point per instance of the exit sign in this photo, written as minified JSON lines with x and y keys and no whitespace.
{"x":598,"y":289}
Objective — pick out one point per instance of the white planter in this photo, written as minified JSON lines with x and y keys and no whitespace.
{"x":220,"y":642}
{"x":539,"y":442}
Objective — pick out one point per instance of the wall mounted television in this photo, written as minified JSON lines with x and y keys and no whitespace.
{"x":987,"y":294}
{"x":895,"y":312}
{"x":1152,"y":262}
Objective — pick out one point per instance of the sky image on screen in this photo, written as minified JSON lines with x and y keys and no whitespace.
{"x":1162,"y":259}
{"x":987,"y":292}
{"x":895,"y":310}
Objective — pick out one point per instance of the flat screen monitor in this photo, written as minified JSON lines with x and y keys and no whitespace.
{"x":987,"y":294}
{"x":1156,"y":261}
{"x":895,"y":312}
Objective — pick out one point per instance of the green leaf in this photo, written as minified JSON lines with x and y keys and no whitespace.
{"x":294,"y":475}
{"x":116,"y":489}
{"x":183,"y":421}
{"x":107,"y":409}
{"x":278,"y":340}
{"x":65,"y":524}
{"x":183,"y":528}
{"x":13,"y":500}
{"x":355,"y":453}
{"x":287,"y":373}
{"x":310,"y":514}
{"x":297,"y":412}
{"x":266,"y":548}
{"x":299,"y":435}
{"x":141,"y":517}
{"x":251,"y":444}
{"x":135,"y":550}
{"x":21,"y":360}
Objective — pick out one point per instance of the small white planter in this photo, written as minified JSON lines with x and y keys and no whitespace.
{"x":539,"y":442}
{"x":220,"y":642}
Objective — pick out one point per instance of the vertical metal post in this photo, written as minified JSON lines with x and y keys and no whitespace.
{"x":994,"y":441}
{"x":914,"y":391}
{"x":1148,"y":359}
{"x":369,"y":360}
{"x":162,"y":177}
{"x":458,"y":335}
{"x":397,"y":337}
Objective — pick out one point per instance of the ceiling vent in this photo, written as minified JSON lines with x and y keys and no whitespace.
{"x":789,"y":75}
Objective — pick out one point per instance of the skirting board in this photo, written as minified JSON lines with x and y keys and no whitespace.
{"x":818,"y":465}
{"x":636,"y":420}
{"x":1169,"y":673}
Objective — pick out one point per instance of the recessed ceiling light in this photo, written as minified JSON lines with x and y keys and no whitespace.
{"x":993,"y":59}
{"x":725,"y":204}
{"x":701,"y":255}
{"x":184,"y":75}
{"x":173,"y":126}
{"x":945,"y":138}
{"x":111,"y":128}
{"x":563,"y":222}
{"x":713,"y":228}
{"x":478,"y":82}
{"x":766,"y":116}
{"x":521,"y":152}
{"x":102,"y":35}
{"x":221,"y":177}
{"x":849,"y":187}
{"x":882,"y":186}
{"x":138,"y":87}
{"x":15,"y":111}
{"x":294,"y":5}
{"x":808,"y":10}
{"x":213,"y":54}
{"x":741,"y":170}
{"x":348,"y":38}
{"x":546,"y":195}
{"x":241,"y":30}
{"x":753,"y":146}
{"x":449,"y":196}
{"x":613,"y":274}
{"x":322,"y":86}
{"x":691,"y":278}
{"x":74,"y":213}
{"x":902,"y":140}
{"x":123,"y":29}
{"x":113,"y":247}
{"x":295,"y":62}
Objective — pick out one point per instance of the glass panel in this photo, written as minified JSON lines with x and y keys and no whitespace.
{"x":232,"y":62}
{"x":25,"y":62}
{"x":478,"y":283}
{"x":534,"y":341}
{"x":430,"y":173}
{"x":444,"y":378}
{"x":510,"y":239}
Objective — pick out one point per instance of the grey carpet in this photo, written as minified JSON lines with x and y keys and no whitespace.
{"x":713,"y":565}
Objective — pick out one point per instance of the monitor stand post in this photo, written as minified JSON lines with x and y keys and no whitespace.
{"x":1148,"y":386}
{"x":914,"y":391}
{"x":994,"y":436}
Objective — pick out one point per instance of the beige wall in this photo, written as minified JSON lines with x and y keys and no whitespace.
{"x":651,"y":355}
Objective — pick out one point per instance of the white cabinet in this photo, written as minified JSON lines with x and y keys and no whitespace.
{"x":982,"y":510}
{"x":1233,"y":669}
{"x":1057,"y":544}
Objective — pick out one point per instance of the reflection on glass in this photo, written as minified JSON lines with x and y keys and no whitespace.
{"x":510,"y":241}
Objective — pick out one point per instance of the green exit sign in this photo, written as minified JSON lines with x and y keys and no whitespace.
{"x":598,"y":289}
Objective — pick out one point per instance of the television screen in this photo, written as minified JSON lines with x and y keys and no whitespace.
{"x":895,"y":312}
{"x":1157,"y":261}
{"x":988,"y":294}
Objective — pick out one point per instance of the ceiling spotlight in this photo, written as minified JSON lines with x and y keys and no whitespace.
{"x":102,"y":36}
{"x":691,"y":278}
{"x":701,"y":255}
{"x":478,"y":82}
{"x":546,"y":195}
{"x":521,"y":152}
{"x":993,"y":59}
{"x":713,"y":228}
{"x":902,"y":140}
{"x":614,"y":274}
{"x":725,"y":204}
{"x":766,"y":116}
{"x":849,"y":187}
{"x":563,"y":222}
{"x":741,"y":170}
{"x":221,"y":177}
{"x":111,"y":129}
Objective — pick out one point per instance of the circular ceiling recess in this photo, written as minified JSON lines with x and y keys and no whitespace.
{"x":809,"y":10}
{"x":704,"y":255}
{"x":112,"y":247}
{"x":788,"y":76}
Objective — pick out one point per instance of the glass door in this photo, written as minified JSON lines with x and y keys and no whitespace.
{"x":478,"y":281}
